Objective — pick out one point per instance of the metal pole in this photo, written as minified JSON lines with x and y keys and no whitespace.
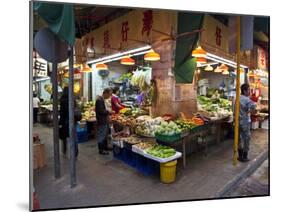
{"x":55,"y":120}
{"x":237,"y":99}
{"x":71,"y":121}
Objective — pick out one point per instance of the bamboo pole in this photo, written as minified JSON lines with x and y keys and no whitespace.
{"x":237,"y":99}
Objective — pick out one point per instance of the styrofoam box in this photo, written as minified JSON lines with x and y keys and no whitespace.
{"x":160,"y":160}
{"x":163,"y":160}
{"x":118,"y":143}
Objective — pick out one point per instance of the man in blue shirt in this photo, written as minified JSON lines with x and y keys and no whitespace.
{"x":247,"y":107}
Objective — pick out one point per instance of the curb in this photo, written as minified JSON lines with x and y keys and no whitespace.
{"x":251,"y":167}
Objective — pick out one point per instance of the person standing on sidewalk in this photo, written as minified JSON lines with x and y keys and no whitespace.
{"x":247,"y":107}
{"x":64,"y":121}
{"x":102,"y":115}
{"x":36,"y":104}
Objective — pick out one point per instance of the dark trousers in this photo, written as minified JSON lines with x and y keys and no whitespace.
{"x":35,"y":114}
{"x":102,"y":136}
{"x":244,"y":137}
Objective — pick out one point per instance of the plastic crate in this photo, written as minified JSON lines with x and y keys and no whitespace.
{"x":82,"y":133}
{"x":117,"y":152}
{"x":146,"y":166}
{"x":168,"y":138}
{"x":82,"y":137}
{"x":199,"y":128}
{"x":129,"y":157}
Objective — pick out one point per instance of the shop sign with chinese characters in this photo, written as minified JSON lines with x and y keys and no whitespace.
{"x":130,"y":31}
{"x":215,"y":34}
{"x":40,"y":67}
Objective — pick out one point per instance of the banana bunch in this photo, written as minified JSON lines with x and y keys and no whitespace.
{"x":48,"y":88}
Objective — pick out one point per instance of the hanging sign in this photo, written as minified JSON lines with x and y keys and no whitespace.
{"x":215,"y":34}
{"x":137,"y":28}
{"x":261,"y":58}
{"x":40,"y":67}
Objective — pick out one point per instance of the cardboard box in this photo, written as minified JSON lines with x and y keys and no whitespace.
{"x":39,"y":157}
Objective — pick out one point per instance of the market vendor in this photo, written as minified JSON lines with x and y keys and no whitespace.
{"x":115,"y":100}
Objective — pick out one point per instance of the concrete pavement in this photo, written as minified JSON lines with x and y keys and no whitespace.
{"x":103,"y":180}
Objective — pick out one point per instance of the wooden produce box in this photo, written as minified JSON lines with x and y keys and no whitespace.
{"x":39,"y":157}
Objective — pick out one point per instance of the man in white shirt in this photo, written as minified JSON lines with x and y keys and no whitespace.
{"x":36,"y":104}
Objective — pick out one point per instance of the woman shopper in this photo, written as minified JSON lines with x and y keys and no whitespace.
{"x":115,"y":100}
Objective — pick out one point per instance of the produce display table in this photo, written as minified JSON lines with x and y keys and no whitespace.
{"x":139,"y":158}
{"x":218,"y":123}
{"x":200,"y":131}
{"x":45,"y":114}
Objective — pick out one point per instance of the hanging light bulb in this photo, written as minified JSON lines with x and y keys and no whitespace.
{"x":223,"y":67}
{"x":127,"y":61}
{"x":225,"y":72}
{"x":209,"y":68}
{"x":152,"y":56}
{"x":199,"y":52}
{"x":101,"y":66}
{"x":201,"y":60}
{"x":86,"y":68}
{"x":217,"y":70}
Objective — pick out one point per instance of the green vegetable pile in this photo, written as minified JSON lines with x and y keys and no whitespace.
{"x":216,"y":107}
{"x":125,"y":76}
{"x":168,"y":128}
{"x":161,"y":151}
{"x":185,"y":125}
{"x":138,"y":112}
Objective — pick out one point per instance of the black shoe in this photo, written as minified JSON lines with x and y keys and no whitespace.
{"x":245,"y":157}
{"x":240,"y":155}
{"x":102,"y":152}
{"x":108,"y":148}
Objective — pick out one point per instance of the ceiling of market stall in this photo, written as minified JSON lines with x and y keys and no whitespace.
{"x":87,"y":18}
{"x":90,"y":17}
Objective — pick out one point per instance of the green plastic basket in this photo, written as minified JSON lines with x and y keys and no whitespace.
{"x":168,"y":138}
{"x":199,"y":128}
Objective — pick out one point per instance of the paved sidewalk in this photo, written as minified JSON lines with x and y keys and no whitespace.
{"x":256,"y":184}
{"x":103,"y":180}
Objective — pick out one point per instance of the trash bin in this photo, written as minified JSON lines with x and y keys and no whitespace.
{"x":168,"y":171}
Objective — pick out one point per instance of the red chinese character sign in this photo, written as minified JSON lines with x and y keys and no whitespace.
{"x":124,"y":31}
{"x":106,"y":43}
{"x":262,"y":59}
{"x":218,"y":36}
{"x":147,"y":22}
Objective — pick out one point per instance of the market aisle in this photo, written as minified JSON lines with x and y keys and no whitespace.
{"x":103,"y":180}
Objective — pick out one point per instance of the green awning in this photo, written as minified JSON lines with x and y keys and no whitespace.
{"x":185,"y":64}
{"x":60,"y":19}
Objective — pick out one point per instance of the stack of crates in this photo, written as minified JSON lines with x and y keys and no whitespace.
{"x":82,"y":132}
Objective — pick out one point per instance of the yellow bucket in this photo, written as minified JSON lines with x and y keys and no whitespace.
{"x":168,"y":171}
